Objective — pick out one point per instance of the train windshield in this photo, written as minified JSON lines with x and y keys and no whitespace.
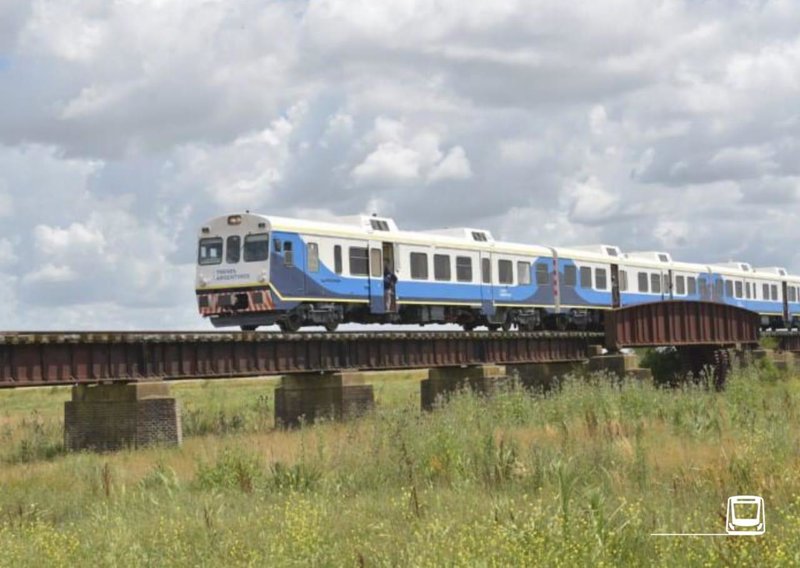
{"x":210,"y":251}
{"x":256,"y":247}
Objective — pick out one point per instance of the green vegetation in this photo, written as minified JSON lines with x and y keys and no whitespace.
{"x":581,"y":476}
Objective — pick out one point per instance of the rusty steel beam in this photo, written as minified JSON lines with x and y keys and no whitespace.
{"x":35,"y":359}
{"x":787,"y":341}
{"x":680,"y":323}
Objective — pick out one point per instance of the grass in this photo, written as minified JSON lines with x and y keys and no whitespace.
{"x":580,"y":476}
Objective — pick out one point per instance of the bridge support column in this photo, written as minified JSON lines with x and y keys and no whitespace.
{"x":443,"y":381}
{"x":620,"y":364}
{"x":306,"y":397}
{"x":542,"y":376}
{"x":115,"y":416}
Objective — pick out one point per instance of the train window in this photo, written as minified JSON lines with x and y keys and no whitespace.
{"x":691,"y":283}
{"x":729,"y":288}
{"x":765,"y":291}
{"x":378,"y":225}
{"x":586,"y":277}
{"x":210,"y":251}
{"x":570,"y":275}
{"x":419,"y":266}
{"x":655,"y":283}
{"x":441,"y":267}
{"x":611,"y":251}
{"x":288,"y":252}
{"x":663,"y":258}
{"x":312,"y":252}
{"x":233,"y":249}
{"x":600,"y":279}
{"x":486,"y":271}
{"x":680,"y":285}
{"x":623,"y":280}
{"x":375,"y":264}
{"x":337,"y":259}
{"x":256,"y":248}
{"x":747,"y":290}
{"x":359,"y":261}
{"x":667,"y":283}
{"x":505,"y":272}
{"x":276,"y":243}
{"x":739,"y":291}
{"x":643,"y":287}
{"x":524,"y":272}
{"x":792,"y":294}
{"x":774,"y":292}
{"x":463,"y":269}
{"x":542,"y":273}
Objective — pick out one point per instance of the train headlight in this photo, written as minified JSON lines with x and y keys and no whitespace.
{"x":234,"y":220}
{"x":203,"y":281}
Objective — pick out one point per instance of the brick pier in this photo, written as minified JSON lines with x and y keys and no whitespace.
{"x":115,"y":416}
{"x":306,"y":397}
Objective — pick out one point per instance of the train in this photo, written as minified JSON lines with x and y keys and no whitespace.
{"x":261,"y":270}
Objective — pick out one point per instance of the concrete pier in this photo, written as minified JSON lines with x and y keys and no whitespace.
{"x":307,"y":397}
{"x":620,"y":364}
{"x":443,"y":381}
{"x":115,"y":416}
{"x":543,"y":376}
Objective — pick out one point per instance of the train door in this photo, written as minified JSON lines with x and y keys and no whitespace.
{"x":718,"y":291}
{"x":669,"y":283}
{"x":487,"y":302}
{"x":702,"y":288}
{"x":785,"y":290}
{"x":390,"y":260}
{"x":377,"y":303}
{"x":615,"y":298}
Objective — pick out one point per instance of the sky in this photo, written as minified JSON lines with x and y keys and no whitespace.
{"x":124,"y":124}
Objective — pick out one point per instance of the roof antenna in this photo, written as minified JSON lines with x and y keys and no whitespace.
{"x":374,"y":214}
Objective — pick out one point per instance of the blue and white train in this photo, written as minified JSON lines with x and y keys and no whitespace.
{"x":259,"y":270}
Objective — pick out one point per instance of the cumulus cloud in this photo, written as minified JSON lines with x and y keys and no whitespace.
{"x":125,"y":125}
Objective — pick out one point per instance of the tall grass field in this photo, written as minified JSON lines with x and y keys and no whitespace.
{"x":579,"y":476}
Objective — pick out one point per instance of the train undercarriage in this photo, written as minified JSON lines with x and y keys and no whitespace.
{"x":331,"y":315}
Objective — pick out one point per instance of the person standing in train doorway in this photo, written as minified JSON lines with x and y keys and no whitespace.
{"x":389,"y":284}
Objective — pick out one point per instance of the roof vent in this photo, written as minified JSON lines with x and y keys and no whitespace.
{"x":379,"y":225}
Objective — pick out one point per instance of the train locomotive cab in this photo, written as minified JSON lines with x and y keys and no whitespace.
{"x":232,"y":281}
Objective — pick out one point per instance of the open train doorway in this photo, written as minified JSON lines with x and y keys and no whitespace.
{"x":390,"y":277}
{"x":615,"y":298}
{"x":785,"y":292}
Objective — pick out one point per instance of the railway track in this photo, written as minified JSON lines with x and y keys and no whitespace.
{"x":53,"y":358}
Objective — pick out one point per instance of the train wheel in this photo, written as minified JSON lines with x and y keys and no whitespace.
{"x":291,"y":324}
{"x":506,"y":325}
{"x":331,"y":326}
{"x":249,"y":327}
{"x":468,"y":326}
{"x":493,"y":327}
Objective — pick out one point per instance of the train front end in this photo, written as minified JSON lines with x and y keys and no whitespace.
{"x":232,"y":282}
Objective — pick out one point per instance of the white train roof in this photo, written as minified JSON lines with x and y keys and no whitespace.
{"x":375,"y":227}
{"x":385,"y":229}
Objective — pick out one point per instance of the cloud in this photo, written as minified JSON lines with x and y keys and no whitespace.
{"x":404,"y":156}
{"x":454,"y":165}
{"x":125,"y":125}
